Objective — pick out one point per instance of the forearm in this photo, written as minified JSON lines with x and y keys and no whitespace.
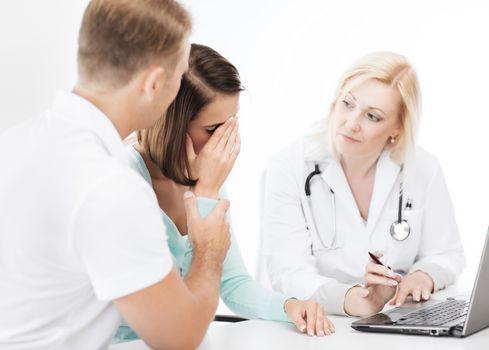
{"x":293,"y":277}
{"x":441,"y":276}
{"x":441,"y":252}
{"x":205,"y":271}
{"x":443,"y":267}
{"x":161,"y":314}
{"x":248,"y":298}
{"x":197,"y":304}
{"x":203,"y":281}
{"x":332,"y":296}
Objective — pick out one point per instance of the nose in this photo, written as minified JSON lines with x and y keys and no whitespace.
{"x":352,"y":121}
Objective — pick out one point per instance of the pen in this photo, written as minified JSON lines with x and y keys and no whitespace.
{"x":376,"y":260}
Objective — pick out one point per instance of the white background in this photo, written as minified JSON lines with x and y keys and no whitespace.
{"x":290,"y":55}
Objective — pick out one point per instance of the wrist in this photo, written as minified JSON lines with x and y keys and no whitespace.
{"x":287,"y":303}
{"x":205,"y":191}
{"x":347,"y":302}
{"x":207,"y":259}
{"x":354,"y":302}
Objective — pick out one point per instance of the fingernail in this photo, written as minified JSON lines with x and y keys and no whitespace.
{"x":392,"y":282}
{"x":302,"y":329}
{"x":398,"y":303}
{"x":310,"y":333}
{"x":188,"y":194}
{"x":321,"y":333}
{"x":328,"y":332}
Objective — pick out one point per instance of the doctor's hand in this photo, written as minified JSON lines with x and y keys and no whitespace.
{"x":215,"y":160}
{"x":380,"y":286}
{"x":381,"y":280}
{"x":418,"y":284}
{"x":308,"y":316}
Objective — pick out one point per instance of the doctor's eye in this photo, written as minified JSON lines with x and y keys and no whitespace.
{"x":347,"y":103}
{"x":373,"y":117}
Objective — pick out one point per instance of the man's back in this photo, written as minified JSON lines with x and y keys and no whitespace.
{"x":55,"y":284}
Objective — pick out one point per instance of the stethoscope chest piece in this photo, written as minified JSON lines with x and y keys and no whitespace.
{"x":400,"y":230}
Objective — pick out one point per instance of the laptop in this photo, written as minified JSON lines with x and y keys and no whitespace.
{"x":456,"y":317}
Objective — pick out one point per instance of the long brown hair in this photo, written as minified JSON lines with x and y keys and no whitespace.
{"x":164,"y":143}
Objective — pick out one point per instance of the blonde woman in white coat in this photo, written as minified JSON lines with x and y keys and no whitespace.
{"x":359,"y":161}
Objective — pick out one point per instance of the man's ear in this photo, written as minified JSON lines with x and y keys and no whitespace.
{"x":152,"y":82}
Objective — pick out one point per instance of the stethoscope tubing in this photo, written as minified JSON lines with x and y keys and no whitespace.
{"x":400,"y":228}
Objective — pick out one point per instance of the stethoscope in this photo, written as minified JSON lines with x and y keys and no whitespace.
{"x":399,"y":229}
{"x":315,"y":172}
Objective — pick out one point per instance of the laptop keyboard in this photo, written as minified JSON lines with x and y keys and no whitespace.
{"x":436,"y":315}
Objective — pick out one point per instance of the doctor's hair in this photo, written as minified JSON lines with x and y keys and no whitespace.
{"x":165,"y":142}
{"x":394,"y":70}
{"x":117,"y":38}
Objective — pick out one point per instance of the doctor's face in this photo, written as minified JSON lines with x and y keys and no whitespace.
{"x":365,"y":116}
{"x":212,"y":116}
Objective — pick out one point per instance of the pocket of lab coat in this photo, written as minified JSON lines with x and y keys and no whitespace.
{"x":401,"y":254}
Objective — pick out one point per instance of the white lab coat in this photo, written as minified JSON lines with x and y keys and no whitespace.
{"x":297,"y":262}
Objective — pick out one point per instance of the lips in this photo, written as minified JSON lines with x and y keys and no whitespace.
{"x":349,"y":138}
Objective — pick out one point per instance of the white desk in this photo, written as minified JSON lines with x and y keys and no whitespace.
{"x":258,"y":334}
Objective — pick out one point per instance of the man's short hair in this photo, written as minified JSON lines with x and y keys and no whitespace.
{"x":119,"y":37}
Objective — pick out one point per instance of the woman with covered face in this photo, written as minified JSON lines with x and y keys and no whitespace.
{"x":193,"y":147}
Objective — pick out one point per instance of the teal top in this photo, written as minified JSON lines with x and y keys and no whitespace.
{"x":241,"y":293}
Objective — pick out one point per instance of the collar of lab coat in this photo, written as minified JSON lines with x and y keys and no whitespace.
{"x":76,"y":109}
{"x":386,"y":173}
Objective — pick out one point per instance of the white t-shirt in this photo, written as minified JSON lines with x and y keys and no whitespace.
{"x":78,"y":228}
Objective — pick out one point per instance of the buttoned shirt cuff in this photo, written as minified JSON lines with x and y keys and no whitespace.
{"x":332,"y":296}
{"x":440,"y":276}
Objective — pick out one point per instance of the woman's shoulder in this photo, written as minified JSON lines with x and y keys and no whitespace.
{"x":424,"y":167}
{"x":289,"y":158}
{"x":297,"y":158}
{"x":136,"y":162}
{"x":425,"y":160}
